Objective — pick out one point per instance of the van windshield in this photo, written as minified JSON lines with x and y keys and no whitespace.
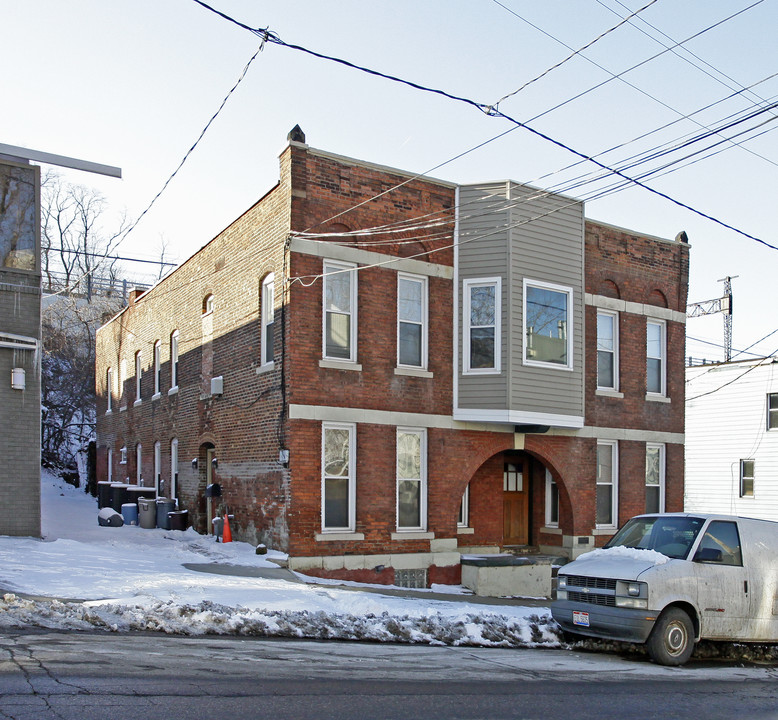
{"x":670,"y":535}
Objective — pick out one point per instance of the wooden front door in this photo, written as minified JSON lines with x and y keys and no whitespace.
{"x":515,"y":506}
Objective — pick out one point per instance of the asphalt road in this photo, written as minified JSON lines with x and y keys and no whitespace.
{"x":154,"y":676}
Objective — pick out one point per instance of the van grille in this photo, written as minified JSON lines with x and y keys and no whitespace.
{"x":591,"y":582}
{"x":592,"y":598}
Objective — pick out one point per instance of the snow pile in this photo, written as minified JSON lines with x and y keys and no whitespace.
{"x":127,"y":578}
{"x":652,"y":557}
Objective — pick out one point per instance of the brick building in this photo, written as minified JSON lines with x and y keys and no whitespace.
{"x":384,"y":372}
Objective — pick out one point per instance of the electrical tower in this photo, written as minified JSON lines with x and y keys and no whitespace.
{"x":718,"y":305}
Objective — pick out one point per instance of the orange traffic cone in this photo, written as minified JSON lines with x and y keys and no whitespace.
{"x":226,"y":533}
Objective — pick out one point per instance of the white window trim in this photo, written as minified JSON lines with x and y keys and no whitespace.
{"x":173,"y":467}
{"x":123,"y":455}
{"x":330,"y":267}
{"x":138,"y":375}
{"x":267,"y":311}
{"x":663,"y":358}
{"x":422,"y":527}
{"x":615,"y":316}
{"x":138,"y":464}
{"x":770,"y":413}
{"x":464,"y":521}
{"x":467,"y":286}
{"x":109,"y":464}
{"x":662,"y":466}
{"x":423,"y":281}
{"x":174,"y":350}
{"x":352,"y":480}
{"x":122,"y":384}
{"x":549,"y":481}
{"x":570,"y":322}
{"x":741,"y":476}
{"x":109,"y":390}
{"x":157,"y":367}
{"x":157,"y":465}
{"x":614,"y":445}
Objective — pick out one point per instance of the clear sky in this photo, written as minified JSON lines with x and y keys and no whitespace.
{"x":133,"y":84}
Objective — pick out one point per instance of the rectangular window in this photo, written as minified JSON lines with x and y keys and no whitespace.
{"x":411,"y":479}
{"x":138,"y":464}
{"x":157,"y":367}
{"x":122,"y":384}
{"x":655,"y":357}
{"x":463,"y":518}
{"x":547,"y":329}
{"x":340,"y":311}
{"x":607,"y":485}
{"x":607,"y":350}
{"x":268,"y":318}
{"x":552,"y":501}
{"x":772,"y":411}
{"x":481,"y":328}
{"x":411,"y":321}
{"x":338,"y":477}
{"x":138,"y":375}
{"x":109,"y":467}
{"x":174,"y":359}
{"x":746,"y":478}
{"x":174,"y":468}
{"x":655,"y":478}
{"x":109,"y":390}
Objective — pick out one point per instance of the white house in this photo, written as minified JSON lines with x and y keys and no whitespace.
{"x":732,"y":438}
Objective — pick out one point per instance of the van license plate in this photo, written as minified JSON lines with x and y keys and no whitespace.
{"x":580,"y":618}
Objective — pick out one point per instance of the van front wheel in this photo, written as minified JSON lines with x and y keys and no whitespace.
{"x":672,"y":640}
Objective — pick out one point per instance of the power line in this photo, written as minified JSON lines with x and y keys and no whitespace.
{"x":493,"y":112}
{"x":109,"y":257}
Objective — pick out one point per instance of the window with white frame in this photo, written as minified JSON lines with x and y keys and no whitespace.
{"x":655,"y":358}
{"x":607,"y":484}
{"x":655,"y":478}
{"x":139,"y":464}
{"x":138,"y":375}
{"x":411,"y":321}
{"x":157,"y":466}
{"x":268,"y":318}
{"x":747,"y":469}
{"x":411,"y":479}
{"x":123,"y":455}
{"x":547,"y":327}
{"x":463,"y":518}
{"x":607,"y":350}
{"x":109,"y":464}
{"x":552,"y":501}
{"x":157,"y":367}
{"x":122,"y":383}
{"x":481,"y":328}
{"x":338,"y":477}
{"x":108,"y":390}
{"x":174,"y":468}
{"x":174,"y":359}
{"x":207,"y":304}
{"x":772,"y":411}
{"x":340,"y":311}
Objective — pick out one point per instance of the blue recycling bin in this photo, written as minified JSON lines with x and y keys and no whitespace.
{"x":130,"y":513}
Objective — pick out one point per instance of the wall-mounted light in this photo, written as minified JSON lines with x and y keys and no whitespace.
{"x":18,"y":381}
{"x":214,"y":463}
{"x":194,"y":463}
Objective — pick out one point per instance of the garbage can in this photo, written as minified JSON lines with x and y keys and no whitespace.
{"x":147,"y":511}
{"x":164,"y":506}
{"x":118,"y":496}
{"x":103,"y":494}
{"x":130,"y":513}
{"x":178,"y":519}
{"x":135,"y":492}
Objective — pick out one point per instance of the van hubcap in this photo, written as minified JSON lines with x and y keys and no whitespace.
{"x":676,"y":638}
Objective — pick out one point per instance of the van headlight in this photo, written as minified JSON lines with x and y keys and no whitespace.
{"x":630,"y":594}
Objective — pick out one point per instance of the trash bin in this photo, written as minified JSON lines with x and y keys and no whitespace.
{"x":103,"y":494}
{"x":164,"y":506}
{"x":118,"y":496}
{"x":178,"y":519}
{"x":147,"y":512}
{"x":130,"y":513}
{"x":135,"y":492}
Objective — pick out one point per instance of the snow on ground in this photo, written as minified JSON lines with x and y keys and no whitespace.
{"x":130,"y":578}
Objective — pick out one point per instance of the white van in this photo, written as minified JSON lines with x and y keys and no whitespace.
{"x":673,"y":579}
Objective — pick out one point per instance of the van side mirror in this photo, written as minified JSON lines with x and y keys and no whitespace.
{"x":711,"y":555}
